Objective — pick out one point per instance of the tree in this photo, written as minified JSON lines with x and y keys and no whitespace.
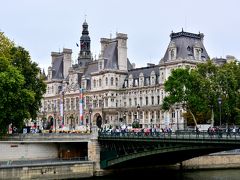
{"x":182,"y":88}
{"x":199,"y":89}
{"x":33,"y":79}
{"x":21,"y":85}
{"x":5,"y":46}
{"x":13,"y":96}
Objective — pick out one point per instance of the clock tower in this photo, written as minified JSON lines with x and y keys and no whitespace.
{"x":85,"y":41}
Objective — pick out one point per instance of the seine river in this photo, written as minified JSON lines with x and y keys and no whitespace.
{"x":229,"y":174}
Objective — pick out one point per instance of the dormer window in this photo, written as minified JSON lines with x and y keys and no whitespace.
{"x":130,"y":80}
{"x":141,"y":79}
{"x":100,"y":65}
{"x":172,"y":51}
{"x":153,"y":78}
{"x":197,"y":53}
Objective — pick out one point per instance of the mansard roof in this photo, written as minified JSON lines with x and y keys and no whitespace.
{"x":57,"y":67}
{"x":145,"y":70}
{"x":110,"y":56}
{"x":185,"y":43}
{"x":92,"y":67}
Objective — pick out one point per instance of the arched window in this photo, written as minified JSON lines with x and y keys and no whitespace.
{"x":146,"y":100}
{"x":152,"y":100}
{"x":111,"y":81}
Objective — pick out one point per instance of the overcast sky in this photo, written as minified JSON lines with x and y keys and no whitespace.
{"x":43,"y":26}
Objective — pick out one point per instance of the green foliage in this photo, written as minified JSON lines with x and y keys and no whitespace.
{"x":21,"y":86}
{"x":5,"y":46}
{"x":135,"y":124}
{"x":199,"y":89}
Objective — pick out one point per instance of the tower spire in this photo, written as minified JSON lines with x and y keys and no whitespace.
{"x":85,"y":41}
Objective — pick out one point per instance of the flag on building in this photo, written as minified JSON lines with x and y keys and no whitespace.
{"x":81,"y":106}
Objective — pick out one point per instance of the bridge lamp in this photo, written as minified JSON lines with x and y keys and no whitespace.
{"x":55,"y":121}
{"x":177,"y":108}
{"x":220,"y":109}
{"x":90,"y":122}
{"x":138,"y":108}
{"x":124,"y":116}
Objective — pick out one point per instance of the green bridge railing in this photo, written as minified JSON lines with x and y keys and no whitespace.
{"x":171,"y":135}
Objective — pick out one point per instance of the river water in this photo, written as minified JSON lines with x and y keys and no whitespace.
{"x":225,"y":174}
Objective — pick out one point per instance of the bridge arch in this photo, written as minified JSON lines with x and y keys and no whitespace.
{"x":123,"y":150}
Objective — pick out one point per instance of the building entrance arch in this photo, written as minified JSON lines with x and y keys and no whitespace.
{"x":48,"y":123}
{"x":97,"y":120}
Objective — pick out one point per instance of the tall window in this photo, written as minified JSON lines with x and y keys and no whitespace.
{"x":146,"y":100}
{"x":158,"y":114}
{"x":140,"y":101}
{"x":111,"y":81}
{"x":94,"y":83}
{"x":72,"y":104}
{"x":100,"y":65}
{"x":130,"y":102}
{"x":116,"y":81}
{"x":152,"y":100}
{"x":135,"y":101}
{"x":106,"y":81}
{"x":77,"y":103}
{"x":106,"y":102}
{"x":158,"y":99}
{"x":100,"y":82}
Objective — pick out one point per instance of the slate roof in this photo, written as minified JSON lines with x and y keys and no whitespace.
{"x":92,"y":67}
{"x":57,"y":68}
{"x":184,"y":42}
{"x":110,"y":56}
{"x":146,"y":71}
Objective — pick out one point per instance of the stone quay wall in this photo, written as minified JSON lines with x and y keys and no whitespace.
{"x":216,"y":161}
{"x":48,"y":171}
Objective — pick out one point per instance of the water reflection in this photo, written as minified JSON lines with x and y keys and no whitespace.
{"x":229,"y":174}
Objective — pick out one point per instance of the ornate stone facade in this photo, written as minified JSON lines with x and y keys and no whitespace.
{"x":114,"y":92}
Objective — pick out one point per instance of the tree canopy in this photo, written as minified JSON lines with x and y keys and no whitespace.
{"x":199,"y":90}
{"x":21,"y":85}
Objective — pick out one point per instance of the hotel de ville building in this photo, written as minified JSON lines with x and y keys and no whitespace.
{"x":110,"y":90}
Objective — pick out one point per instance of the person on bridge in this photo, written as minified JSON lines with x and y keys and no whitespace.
{"x":229,"y":132}
{"x":197,"y":131}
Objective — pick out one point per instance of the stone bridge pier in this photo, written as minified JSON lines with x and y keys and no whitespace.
{"x":94,"y":153}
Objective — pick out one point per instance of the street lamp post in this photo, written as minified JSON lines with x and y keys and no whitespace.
{"x":124,"y":117}
{"x":90,"y":122}
{"x":177,"y":108}
{"x":63,"y":108}
{"x":55,"y":118}
{"x":138,"y":108}
{"x":138,"y":120}
{"x":220,"y":104}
